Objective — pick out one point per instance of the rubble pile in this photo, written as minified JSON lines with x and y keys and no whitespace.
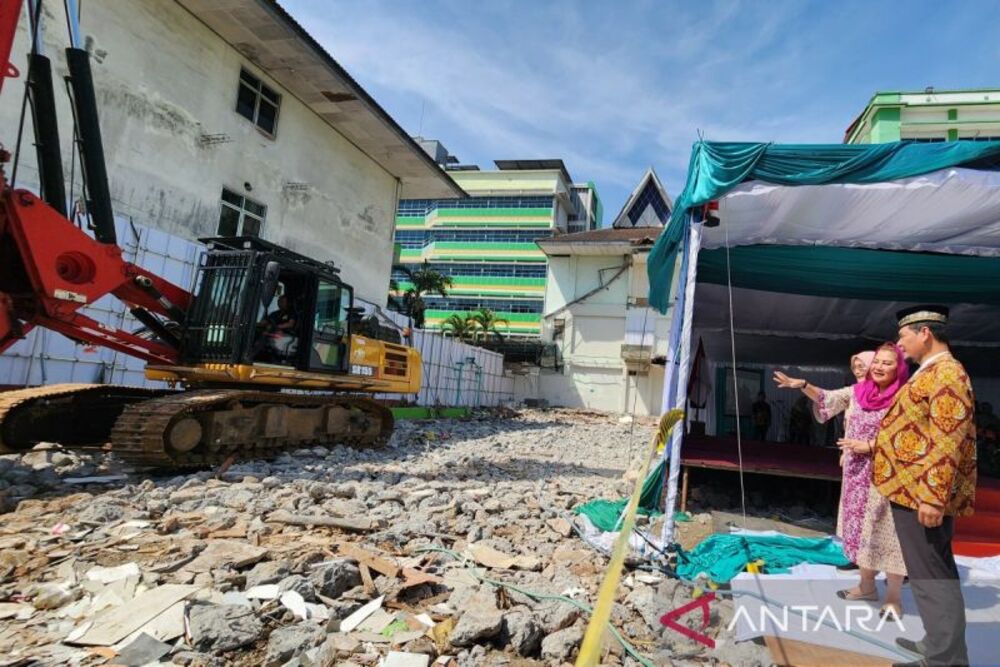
{"x":451,"y":546}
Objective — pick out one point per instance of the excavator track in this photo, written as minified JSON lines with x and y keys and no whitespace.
{"x":207,"y":427}
{"x":74,"y":415}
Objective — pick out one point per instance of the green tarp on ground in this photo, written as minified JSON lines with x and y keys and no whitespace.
{"x":723,"y":556}
{"x":604,"y":513}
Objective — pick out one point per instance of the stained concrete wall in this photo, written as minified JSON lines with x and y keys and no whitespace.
{"x":594,"y":375}
{"x":167,"y":87}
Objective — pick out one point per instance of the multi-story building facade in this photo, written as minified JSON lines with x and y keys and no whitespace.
{"x":930,"y":115}
{"x":486,"y":242}
{"x":224,"y":118}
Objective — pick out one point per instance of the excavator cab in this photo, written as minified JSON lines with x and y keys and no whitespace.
{"x":258,"y":303}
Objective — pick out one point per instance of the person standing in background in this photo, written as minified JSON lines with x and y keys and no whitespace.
{"x":760,"y":414}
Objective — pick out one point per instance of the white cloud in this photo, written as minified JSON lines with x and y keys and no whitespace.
{"x":609,"y":87}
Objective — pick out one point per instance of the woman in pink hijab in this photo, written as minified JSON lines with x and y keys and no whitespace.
{"x":864,"y":513}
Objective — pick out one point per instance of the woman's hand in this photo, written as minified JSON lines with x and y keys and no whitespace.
{"x":856,"y":446}
{"x":785,"y":382}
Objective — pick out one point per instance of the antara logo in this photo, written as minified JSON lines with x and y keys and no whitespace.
{"x":812,"y":618}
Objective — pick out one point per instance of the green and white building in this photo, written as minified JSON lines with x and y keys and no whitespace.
{"x":486,"y":242}
{"x":930,"y":115}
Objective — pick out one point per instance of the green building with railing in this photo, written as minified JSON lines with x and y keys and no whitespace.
{"x":486,"y":242}
{"x":930,"y":115}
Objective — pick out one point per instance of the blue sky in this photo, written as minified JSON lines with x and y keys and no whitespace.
{"x":612,"y":88}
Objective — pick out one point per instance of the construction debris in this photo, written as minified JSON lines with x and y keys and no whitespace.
{"x":330,"y":556}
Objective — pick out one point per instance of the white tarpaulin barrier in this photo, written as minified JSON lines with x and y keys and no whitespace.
{"x":952,"y":211}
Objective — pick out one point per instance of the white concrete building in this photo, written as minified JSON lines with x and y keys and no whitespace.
{"x":610,"y":344}
{"x":225,"y":116}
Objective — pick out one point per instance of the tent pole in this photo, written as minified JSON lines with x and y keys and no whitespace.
{"x":673,"y":342}
{"x":673,"y":450}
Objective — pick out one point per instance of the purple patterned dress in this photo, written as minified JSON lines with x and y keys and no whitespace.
{"x":859,"y":424}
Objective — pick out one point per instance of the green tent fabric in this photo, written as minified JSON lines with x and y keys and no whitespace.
{"x":716,"y":168}
{"x":604,"y":513}
{"x":723,"y":556}
{"x":860,"y":274}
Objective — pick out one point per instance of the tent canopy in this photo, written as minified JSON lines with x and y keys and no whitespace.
{"x":841,"y":234}
{"x":803,"y":216}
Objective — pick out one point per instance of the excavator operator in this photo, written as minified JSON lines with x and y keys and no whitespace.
{"x":280,"y":333}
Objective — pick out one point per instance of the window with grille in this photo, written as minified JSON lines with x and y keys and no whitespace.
{"x":258,"y":103}
{"x":239,"y":215}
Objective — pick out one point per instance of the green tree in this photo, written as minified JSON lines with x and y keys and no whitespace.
{"x":487,"y":324}
{"x":460,"y":327}
{"x":423,"y":280}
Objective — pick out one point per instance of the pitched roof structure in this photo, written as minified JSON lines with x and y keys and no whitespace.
{"x":649,"y":205}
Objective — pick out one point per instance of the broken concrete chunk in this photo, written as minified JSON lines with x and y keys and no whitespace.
{"x":289,"y":641}
{"x":332,"y":578}
{"x":222,"y":627}
{"x":52,"y":596}
{"x":400,"y":659}
{"x":522,"y":631}
{"x":300,"y":585}
{"x":481,"y":620}
{"x":107,"y":575}
{"x":19,"y":610}
{"x":268,"y":572}
{"x":490,"y":557}
{"x":556,"y":615}
{"x":562,"y":644}
{"x":560,"y":526}
{"x":142,"y":651}
{"x":229,"y":553}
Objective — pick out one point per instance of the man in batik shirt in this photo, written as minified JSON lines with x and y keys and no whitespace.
{"x":925,"y":464}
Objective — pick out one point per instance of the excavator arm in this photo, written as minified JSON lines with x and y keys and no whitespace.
{"x":49,"y":268}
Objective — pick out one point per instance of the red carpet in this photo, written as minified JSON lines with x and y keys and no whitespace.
{"x":977,"y":535}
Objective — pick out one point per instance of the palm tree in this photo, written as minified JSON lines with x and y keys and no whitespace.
{"x":424,"y":280}
{"x":487,"y":322}
{"x":461,"y":327}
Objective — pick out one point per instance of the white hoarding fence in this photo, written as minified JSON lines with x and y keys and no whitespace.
{"x":454,"y":373}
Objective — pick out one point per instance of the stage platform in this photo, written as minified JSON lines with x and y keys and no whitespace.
{"x":978,"y":535}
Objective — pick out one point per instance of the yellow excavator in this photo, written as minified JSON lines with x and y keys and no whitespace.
{"x":266,"y":353}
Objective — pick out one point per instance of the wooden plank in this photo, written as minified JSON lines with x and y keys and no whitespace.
{"x":366,"y":580}
{"x":358,"y":525}
{"x":803,"y":654}
{"x":373,"y":561}
{"x":116,"y":624}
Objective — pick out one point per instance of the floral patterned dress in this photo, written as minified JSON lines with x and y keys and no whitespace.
{"x":856,"y":490}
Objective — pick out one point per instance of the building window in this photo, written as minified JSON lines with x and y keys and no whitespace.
{"x":258,"y":103}
{"x":418,"y":207}
{"x":498,"y":270}
{"x":418,"y":238}
{"x":650,"y":196}
{"x":240,"y":216}
{"x":558,"y":328}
